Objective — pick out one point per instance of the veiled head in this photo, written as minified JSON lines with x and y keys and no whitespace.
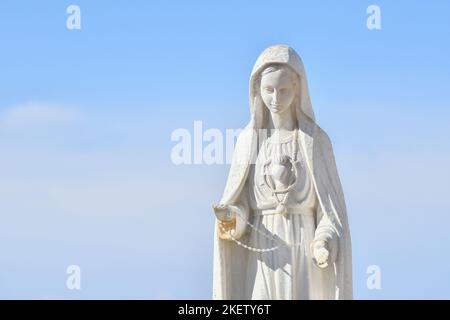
{"x":278,"y":67}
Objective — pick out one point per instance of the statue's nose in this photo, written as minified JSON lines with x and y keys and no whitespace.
{"x":275,"y":96}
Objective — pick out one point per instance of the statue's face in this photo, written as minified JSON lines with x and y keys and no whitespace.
{"x":277,"y":90}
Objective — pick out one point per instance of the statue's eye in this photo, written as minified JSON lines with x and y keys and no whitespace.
{"x":268,"y":89}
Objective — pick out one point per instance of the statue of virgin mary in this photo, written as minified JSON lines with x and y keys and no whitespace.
{"x":281,"y":229}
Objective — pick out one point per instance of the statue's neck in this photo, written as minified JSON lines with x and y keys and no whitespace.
{"x":283,"y":122}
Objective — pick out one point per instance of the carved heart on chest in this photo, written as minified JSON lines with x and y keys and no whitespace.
{"x":281,"y":175}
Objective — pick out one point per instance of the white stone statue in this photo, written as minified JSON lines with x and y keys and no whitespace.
{"x":281,"y":225}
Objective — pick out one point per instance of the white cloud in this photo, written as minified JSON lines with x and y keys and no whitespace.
{"x":36,"y":114}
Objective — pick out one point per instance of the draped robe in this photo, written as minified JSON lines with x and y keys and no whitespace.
{"x":230,"y":260}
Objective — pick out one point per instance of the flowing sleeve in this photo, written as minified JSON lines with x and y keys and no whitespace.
{"x":331,"y":197}
{"x":325,"y":231}
{"x":242,"y":211}
{"x":236,"y":189}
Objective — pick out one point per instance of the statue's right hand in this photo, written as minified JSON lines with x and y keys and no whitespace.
{"x":226,"y":221}
{"x":226,"y":228}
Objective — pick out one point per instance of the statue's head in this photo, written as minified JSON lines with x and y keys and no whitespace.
{"x":278,"y":88}
{"x":278,"y":84}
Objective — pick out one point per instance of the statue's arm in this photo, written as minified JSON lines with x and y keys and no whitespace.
{"x":326,"y":233}
{"x":234,"y":206}
{"x":233,"y":218}
{"x":330,"y":224}
{"x":243,"y":213}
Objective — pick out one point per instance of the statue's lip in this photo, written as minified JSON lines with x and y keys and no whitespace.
{"x":277,"y":107}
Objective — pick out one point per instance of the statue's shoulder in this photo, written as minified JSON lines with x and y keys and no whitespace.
{"x":320,"y":134}
{"x":322,"y":143}
{"x":245,"y":137}
{"x":239,"y":165}
{"x":246,"y":132}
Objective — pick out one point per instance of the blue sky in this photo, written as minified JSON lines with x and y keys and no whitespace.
{"x":86,"y":118}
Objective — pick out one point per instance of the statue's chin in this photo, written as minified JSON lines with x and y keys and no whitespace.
{"x":277,"y":110}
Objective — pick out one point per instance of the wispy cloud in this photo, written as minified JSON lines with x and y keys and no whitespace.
{"x":37,"y":114}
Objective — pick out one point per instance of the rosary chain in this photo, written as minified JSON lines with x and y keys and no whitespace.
{"x":293,"y":160}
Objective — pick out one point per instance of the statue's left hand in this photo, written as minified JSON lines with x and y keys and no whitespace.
{"x":321,"y":254}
